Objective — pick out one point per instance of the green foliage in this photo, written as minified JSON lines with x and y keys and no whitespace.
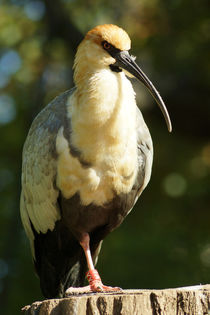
{"x":165,"y":241}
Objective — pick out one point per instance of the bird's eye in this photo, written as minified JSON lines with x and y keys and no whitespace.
{"x":106,"y":45}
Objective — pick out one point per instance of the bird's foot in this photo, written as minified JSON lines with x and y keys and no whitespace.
{"x":99,"y":287}
{"x":96,"y":284}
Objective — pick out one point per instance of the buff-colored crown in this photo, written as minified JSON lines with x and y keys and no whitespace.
{"x":112,"y":34}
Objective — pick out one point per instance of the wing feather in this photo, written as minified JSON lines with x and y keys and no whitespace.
{"x":38,"y":205}
{"x":145,"y":151}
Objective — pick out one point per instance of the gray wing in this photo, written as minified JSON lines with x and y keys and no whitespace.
{"x":38,"y":204}
{"x":145,"y":152}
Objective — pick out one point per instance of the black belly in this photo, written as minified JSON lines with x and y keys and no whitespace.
{"x":92,"y":218}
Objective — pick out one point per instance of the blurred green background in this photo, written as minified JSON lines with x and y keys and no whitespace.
{"x":165,"y":241}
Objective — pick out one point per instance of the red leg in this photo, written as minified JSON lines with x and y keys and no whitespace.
{"x":92,"y":275}
{"x":95,"y":283}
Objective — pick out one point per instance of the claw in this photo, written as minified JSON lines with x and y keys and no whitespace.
{"x":96,"y":284}
{"x":96,"y":287}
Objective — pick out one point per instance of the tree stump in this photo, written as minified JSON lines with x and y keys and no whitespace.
{"x":193,"y":300}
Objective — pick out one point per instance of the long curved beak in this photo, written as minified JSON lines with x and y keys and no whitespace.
{"x":125,"y":61}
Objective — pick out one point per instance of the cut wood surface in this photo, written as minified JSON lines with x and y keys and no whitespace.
{"x":187,"y":300}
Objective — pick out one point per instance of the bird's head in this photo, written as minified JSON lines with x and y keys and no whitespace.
{"x":107,"y":46}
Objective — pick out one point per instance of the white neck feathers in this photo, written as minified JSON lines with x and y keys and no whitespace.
{"x":102,"y":112}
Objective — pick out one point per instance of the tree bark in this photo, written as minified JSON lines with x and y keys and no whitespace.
{"x":193,"y":300}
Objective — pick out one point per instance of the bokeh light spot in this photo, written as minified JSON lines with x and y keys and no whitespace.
{"x":197,"y":167}
{"x":34,"y":10}
{"x":10,"y":62}
{"x":175,"y":185}
{"x":7,"y":109}
{"x":10,"y":34}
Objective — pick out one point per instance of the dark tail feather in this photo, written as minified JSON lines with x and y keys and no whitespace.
{"x":56,"y":280}
{"x":59,"y":261}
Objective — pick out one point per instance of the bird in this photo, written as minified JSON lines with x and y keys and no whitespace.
{"x":86,"y":160}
